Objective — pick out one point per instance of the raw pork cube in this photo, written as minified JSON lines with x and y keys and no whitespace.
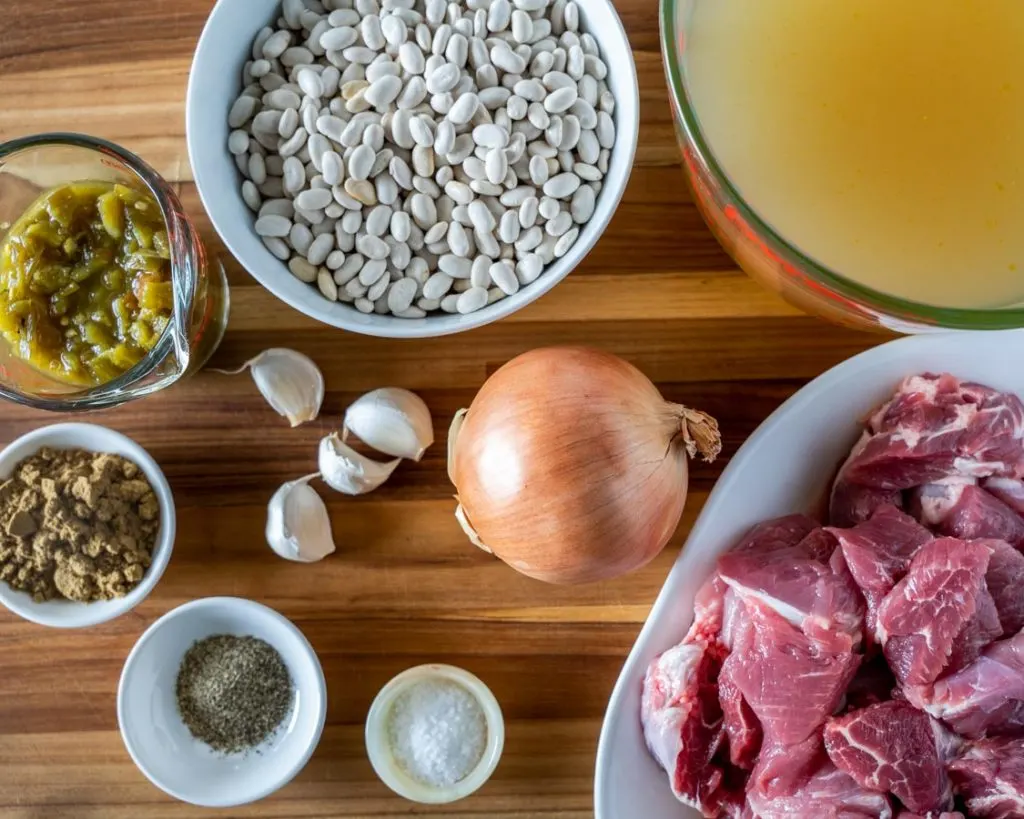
{"x":1005,"y":581}
{"x":980,"y":631}
{"x":742,"y":727}
{"x":986,"y":697}
{"x":989,"y":775}
{"x":965,"y":510}
{"x":798,"y":582}
{"x":922,"y":617}
{"x":852,"y":503}
{"x":708,"y":611}
{"x":801,"y":781}
{"x":873,"y":683}
{"x":878,"y":553}
{"x":682,"y":722}
{"x":894,"y":747}
{"x":1009,"y":490}
{"x":791,"y":682}
{"x":935,"y":427}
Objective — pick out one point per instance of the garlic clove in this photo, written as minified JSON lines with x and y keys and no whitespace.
{"x":391,"y":420}
{"x":298,"y":526}
{"x":290,"y":382}
{"x":348,"y":471}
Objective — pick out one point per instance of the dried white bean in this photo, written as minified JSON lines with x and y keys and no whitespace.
{"x":503,"y":274}
{"x":481,"y":216}
{"x":509,"y":227}
{"x":320,"y":248}
{"x":442,"y":79}
{"x":335,"y":259}
{"x":386,"y":189}
{"x":277,"y":247}
{"x":420,"y":131}
{"x":281,"y":99}
{"x":424,"y":211}
{"x":455,"y":266}
{"x":458,"y":239}
{"x":360,"y":162}
{"x":490,"y":136}
{"x":362,"y":191}
{"x":549,"y":207}
{"x":251,"y":196}
{"x":522,"y":26}
{"x":559,"y":224}
{"x":436,"y":234}
{"x":437,"y":286}
{"x":378,"y":288}
{"x":302,"y":270}
{"x":471,"y":300}
{"x":401,"y":295}
{"x":238,"y":142}
{"x":479,"y":274}
{"x":538,"y":170}
{"x":273,"y":225}
{"x":372,"y":247}
{"x":300,"y":237}
{"x":565,"y":242}
{"x":242,"y":111}
{"x":528,"y":212}
{"x":562,"y":186}
{"x":372,"y":271}
{"x":313,"y":199}
{"x":325,"y":282}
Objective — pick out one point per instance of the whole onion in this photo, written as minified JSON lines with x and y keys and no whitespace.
{"x":571,"y":467}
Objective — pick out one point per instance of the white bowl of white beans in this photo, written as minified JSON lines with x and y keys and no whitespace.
{"x":411,"y":168}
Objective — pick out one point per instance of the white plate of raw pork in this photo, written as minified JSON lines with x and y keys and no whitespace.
{"x":788,"y":467}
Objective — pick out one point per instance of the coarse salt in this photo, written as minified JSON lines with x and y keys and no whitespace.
{"x":437,"y":732}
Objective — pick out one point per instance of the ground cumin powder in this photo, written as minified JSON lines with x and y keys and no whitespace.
{"x":77,"y":525}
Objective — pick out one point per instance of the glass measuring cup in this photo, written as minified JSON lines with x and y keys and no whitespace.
{"x":32,"y":165}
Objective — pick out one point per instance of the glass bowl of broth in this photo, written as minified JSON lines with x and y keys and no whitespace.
{"x":863,"y":158}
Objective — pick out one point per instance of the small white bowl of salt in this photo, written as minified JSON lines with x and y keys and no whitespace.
{"x":435,"y":734}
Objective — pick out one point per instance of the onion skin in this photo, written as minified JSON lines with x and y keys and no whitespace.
{"x":570,"y":465}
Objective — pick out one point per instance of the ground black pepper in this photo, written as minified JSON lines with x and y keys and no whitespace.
{"x":233,"y":692}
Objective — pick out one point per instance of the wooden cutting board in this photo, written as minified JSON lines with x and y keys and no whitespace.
{"x":404,"y":587}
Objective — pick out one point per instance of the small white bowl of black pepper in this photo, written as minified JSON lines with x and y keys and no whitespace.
{"x":222,"y":701}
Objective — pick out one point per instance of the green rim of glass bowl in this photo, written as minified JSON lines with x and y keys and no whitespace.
{"x":881,"y":304}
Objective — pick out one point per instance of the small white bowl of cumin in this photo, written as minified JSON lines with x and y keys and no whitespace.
{"x":64,"y":613}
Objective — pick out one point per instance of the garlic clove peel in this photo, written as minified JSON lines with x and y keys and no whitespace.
{"x":391,"y":420}
{"x":289,"y":381}
{"x":348,"y":471}
{"x":298,"y":526}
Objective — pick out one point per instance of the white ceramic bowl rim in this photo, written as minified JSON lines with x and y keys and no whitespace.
{"x":299,"y":640}
{"x":93,"y":438}
{"x":377,"y":744}
{"x":217,"y":179}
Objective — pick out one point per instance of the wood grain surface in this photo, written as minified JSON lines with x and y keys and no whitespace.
{"x":404,"y":587}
